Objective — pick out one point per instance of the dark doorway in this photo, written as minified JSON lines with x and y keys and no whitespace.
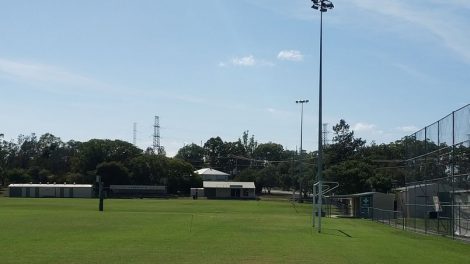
{"x":235,"y":193}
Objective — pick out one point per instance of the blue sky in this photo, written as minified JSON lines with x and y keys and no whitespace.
{"x":90,"y":69}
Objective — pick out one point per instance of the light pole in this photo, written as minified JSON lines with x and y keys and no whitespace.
{"x":301,"y":102}
{"x":322,"y":6}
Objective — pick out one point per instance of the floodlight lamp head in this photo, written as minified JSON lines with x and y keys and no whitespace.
{"x":316,"y":4}
{"x":322,"y":5}
{"x":327,"y":4}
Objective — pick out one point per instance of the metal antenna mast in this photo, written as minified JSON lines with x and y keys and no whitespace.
{"x":156,"y":136}
{"x":134,"y":139}
{"x":325,"y":134}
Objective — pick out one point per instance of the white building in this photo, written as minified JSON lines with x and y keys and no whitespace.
{"x":50,"y":190}
{"x":229,"y":190}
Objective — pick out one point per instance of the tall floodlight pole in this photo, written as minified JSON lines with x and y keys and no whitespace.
{"x":322,"y":6}
{"x":301,"y":102}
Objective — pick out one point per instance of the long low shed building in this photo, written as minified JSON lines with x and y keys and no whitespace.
{"x":137,"y":191}
{"x":229,"y":190}
{"x":51,"y":190}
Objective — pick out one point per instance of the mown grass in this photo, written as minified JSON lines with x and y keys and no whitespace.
{"x":202,"y":231}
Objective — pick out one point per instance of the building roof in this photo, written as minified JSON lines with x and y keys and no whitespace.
{"x":227,"y":185}
{"x":50,"y":185}
{"x":209,"y":171}
{"x":354,"y":195}
{"x":414,"y":186}
{"x":137,"y":187}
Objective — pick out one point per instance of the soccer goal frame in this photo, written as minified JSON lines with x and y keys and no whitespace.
{"x":327,"y":186}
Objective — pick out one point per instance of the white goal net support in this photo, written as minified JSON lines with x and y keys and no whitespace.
{"x":317,"y":197}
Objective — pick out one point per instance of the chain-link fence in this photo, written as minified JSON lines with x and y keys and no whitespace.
{"x":436,"y":195}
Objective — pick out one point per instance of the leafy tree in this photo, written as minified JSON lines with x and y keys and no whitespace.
{"x":3,"y":159}
{"x":234,"y":150}
{"x":33,"y":173}
{"x":75,"y":177}
{"x":250,"y":175}
{"x":387,"y":162}
{"x":215,"y":153}
{"x":181,"y":177}
{"x":52,"y":154}
{"x":17,"y":176}
{"x":344,"y":146}
{"x":286,"y":173}
{"x":352,"y":175}
{"x":192,"y":154}
{"x":269,"y":152}
{"x":97,"y":151}
{"x":249,"y":143}
{"x":47,"y":176}
{"x":148,"y":169}
{"x":113,"y":173}
{"x":2,"y":176}
{"x":268,"y":178}
{"x":27,"y":151}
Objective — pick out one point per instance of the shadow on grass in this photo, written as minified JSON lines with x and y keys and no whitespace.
{"x":295,"y":208}
{"x":335,"y":232}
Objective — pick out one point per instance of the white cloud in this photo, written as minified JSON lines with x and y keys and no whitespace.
{"x":290,"y":55}
{"x":39,"y":74}
{"x":412,"y":71}
{"x":435,"y":18}
{"x":366,"y":128}
{"x":36,"y":72}
{"x":244,"y":61}
{"x":407,"y":129}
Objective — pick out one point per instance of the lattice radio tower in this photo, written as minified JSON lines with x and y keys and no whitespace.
{"x":325,"y":134}
{"x":156,"y":136}
{"x":134,"y":139}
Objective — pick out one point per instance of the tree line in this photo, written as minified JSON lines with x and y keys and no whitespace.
{"x":347,"y":160}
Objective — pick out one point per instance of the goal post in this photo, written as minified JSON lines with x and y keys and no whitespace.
{"x":328,"y":186}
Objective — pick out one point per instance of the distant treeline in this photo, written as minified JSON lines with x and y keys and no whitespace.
{"x":347,"y":160}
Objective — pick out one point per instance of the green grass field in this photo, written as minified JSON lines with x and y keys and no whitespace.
{"x":202,"y":231}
